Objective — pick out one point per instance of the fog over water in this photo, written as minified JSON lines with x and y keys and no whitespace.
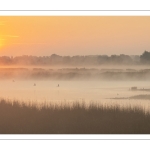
{"x":104,"y":92}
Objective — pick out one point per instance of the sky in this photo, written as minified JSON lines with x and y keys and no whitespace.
{"x":74,"y":35}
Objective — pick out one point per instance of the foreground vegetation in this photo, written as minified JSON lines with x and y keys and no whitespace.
{"x":19,"y":118}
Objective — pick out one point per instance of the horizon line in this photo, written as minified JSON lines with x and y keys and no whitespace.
{"x":75,"y":55}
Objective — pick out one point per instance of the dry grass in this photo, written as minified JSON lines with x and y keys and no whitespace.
{"x":22,"y":119}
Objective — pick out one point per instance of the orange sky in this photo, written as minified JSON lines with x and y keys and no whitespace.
{"x":73,"y":35}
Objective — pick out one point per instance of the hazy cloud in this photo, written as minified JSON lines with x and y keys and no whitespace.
{"x":12,"y":36}
{"x":31,"y":43}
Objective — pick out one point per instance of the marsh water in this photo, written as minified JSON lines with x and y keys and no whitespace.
{"x":107,"y":93}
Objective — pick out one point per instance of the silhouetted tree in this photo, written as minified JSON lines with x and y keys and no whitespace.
{"x":145,"y":57}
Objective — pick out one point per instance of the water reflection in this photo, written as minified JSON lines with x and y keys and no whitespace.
{"x":47,"y":92}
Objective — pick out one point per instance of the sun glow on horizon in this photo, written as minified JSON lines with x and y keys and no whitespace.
{"x":6,"y":37}
{"x":74,"y":35}
{"x":1,"y":42}
{"x":6,"y":40}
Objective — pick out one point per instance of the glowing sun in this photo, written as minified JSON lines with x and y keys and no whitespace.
{"x":1,"y":42}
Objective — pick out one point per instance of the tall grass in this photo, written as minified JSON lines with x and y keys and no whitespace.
{"x":19,"y":118}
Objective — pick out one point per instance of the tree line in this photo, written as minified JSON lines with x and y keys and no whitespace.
{"x":55,"y":59}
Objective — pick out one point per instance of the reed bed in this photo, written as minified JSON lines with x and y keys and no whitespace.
{"x":20,"y":118}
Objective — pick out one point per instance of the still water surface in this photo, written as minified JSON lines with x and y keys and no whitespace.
{"x":100,"y":92}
